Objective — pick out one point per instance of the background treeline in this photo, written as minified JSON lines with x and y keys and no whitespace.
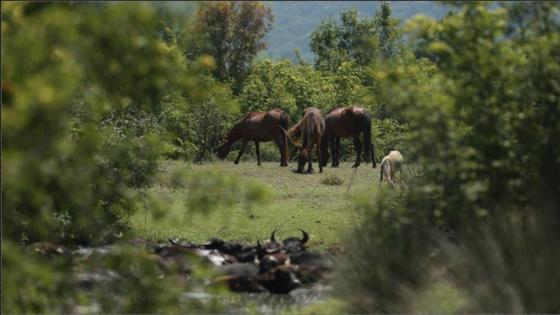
{"x":295,"y":21}
{"x":94,"y":95}
{"x":340,"y":76}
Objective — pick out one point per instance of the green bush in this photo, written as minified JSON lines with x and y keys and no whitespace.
{"x":292,"y":88}
{"x":82,"y":112}
{"x":483,"y":130}
{"x":387,"y":135}
{"x":83,"y":116}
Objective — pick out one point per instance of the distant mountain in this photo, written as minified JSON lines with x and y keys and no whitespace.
{"x":294,"y":21}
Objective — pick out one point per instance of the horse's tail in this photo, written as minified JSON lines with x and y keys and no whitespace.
{"x":284,"y":120}
{"x":284,"y":123}
{"x":288,"y":134}
{"x":368,"y":145}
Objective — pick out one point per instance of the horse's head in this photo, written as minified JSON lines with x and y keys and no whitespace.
{"x":224,"y":146}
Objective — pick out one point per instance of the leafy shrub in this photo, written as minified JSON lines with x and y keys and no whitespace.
{"x":388,"y":134}
{"x":292,"y":88}
{"x":483,"y":203}
{"x":75,"y":140}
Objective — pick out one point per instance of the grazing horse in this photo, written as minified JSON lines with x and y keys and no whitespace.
{"x":311,"y":127}
{"x":390,"y":165}
{"x":258,"y":127}
{"x":345,"y":123}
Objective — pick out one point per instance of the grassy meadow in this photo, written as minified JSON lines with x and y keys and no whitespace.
{"x":295,"y":201}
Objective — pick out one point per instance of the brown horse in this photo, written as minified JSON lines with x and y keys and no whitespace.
{"x":311,"y":128}
{"x":346,"y":122}
{"x":258,"y":127}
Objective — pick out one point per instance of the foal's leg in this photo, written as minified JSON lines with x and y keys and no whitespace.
{"x":358,"y":148}
{"x":258,"y":149}
{"x":243,"y":145}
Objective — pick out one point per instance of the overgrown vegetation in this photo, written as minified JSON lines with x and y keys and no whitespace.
{"x":484,"y":125}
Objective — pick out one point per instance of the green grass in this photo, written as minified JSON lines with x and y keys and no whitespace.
{"x":297,"y":201}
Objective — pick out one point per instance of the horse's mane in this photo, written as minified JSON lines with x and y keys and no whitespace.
{"x":249,"y":115}
{"x":305,"y":121}
{"x":332,"y":109}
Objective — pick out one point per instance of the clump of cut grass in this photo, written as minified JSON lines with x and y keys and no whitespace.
{"x":332,"y":180}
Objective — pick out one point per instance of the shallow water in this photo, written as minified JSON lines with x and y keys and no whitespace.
{"x":266,"y":303}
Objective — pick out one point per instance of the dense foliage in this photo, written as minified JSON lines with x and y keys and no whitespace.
{"x":95,"y":95}
{"x":484,"y":122}
{"x":87,"y":112}
{"x":233,"y":33}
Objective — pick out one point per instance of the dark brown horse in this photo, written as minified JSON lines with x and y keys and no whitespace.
{"x":347,"y":122}
{"x":258,"y":127}
{"x":311,"y":128}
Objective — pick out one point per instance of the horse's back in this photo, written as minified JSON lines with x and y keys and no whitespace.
{"x":395,"y":156}
{"x":336,"y":124}
{"x":345,"y":122}
{"x":393,"y":160}
{"x":253,"y":127}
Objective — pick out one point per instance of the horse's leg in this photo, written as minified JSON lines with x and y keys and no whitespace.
{"x":243,"y":145}
{"x":281,"y":142}
{"x":309,"y":162}
{"x":319,"y":155}
{"x":284,"y":155}
{"x":336,"y":152}
{"x":358,"y":148}
{"x":283,"y":147}
{"x":332,"y":143}
{"x":258,"y":150}
{"x":324,"y":150}
{"x":373,"y":164}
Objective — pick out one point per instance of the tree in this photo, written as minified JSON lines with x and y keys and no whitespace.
{"x":530,"y":18}
{"x":355,"y":40}
{"x":389,"y":33}
{"x":233,"y":33}
{"x":289,"y":87}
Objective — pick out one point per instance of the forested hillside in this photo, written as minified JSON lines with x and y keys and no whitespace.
{"x":294,"y":21}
